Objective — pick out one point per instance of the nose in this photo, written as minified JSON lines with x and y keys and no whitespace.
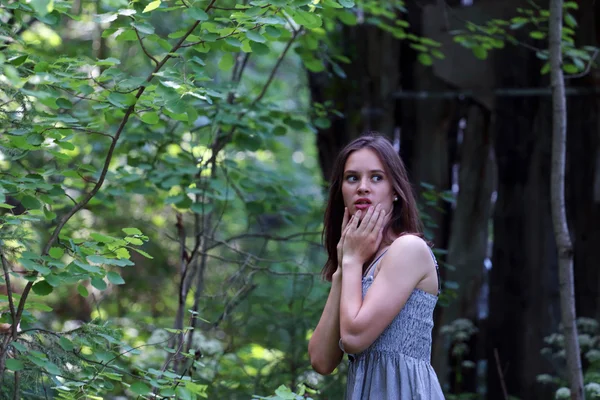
{"x":363,"y":186}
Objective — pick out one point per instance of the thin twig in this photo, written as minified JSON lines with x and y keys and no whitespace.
{"x":222,"y":141}
{"x":150,"y":56}
{"x":275,"y":68}
{"x":17,"y":390}
{"x":11,"y":303}
{"x":63,"y":221}
{"x":587,"y":67}
{"x":500,"y":374}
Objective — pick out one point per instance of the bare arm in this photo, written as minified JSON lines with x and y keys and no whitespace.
{"x":362,"y":321}
{"x":323,"y":347}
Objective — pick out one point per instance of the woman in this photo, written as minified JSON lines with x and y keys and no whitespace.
{"x":384,"y":277}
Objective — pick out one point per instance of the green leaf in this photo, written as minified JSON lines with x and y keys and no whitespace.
{"x":30,"y":202}
{"x":56,"y":252}
{"x":347,"y":3}
{"x":150,"y":118}
{"x":570,"y":20}
{"x":425,"y":59}
{"x":570,"y":68}
{"x":64,"y":103}
{"x":152,"y":6}
{"x":480,"y":52}
{"x":537,"y":34}
{"x":143,"y":27}
{"x":66,"y":344}
{"x":87,"y":267}
{"x":143,"y":253}
{"x":259,"y":48}
{"x":99,"y":283}
{"x":18,"y":60}
{"x":35,"y":139}
{"x":42,"y":288}
{"x":18,"y":346}
{"x":132,"y":231}
{"x":314,"y":65}
{"x":253,"y":11}
{"x":51,"y":368}
{"x":14,"y":365}
{"x":348,"y":18}
{"x":42,"y":7}
{"x":82,"y":291}
{"x":200,"y":208}
{"x":139,"y":242}
{"x":233,"y":42}
{"x":437,"y":54}
{"x":307,"y":19}
{"x":140,"y":388}
{"x":571,"y":4}
{"x":47,"y":213}
{"x":95,"y":259}
{"x":115,"y":278}
{"x":37,"y":306}
{"x":226,"y":62}
{"x":255,"y":37}
{"x":272,"y":31}
{"x":102,"y":238}
{"x":197,"y":14}
{"x":121,"y":100}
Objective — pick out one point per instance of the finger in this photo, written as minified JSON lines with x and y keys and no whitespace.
{"x":346,"y":218}
{"x":345,"y":229}
{"x":374,"y":218}
{"x":355,"y":218}
{"x":367,"y":218}
{"x":383,"y":216}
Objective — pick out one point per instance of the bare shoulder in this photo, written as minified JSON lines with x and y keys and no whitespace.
{"x":413,"y":252}
{"x":412,"y":244}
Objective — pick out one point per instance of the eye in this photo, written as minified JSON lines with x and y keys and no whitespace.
{"x":351,"y":178}
{"x":377,"y":178}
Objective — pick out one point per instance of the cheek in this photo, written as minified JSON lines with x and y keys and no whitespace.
{"x":346,"y":195}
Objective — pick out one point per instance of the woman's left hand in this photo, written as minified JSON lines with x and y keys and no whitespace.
{"x":361,"y":242}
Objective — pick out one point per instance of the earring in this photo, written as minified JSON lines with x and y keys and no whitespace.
{"x":395,"y":198}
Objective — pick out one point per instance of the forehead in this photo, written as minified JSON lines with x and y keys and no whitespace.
{"x":363,"y":159}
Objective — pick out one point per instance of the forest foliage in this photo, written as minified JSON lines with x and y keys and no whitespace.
{"x":160,"y":195}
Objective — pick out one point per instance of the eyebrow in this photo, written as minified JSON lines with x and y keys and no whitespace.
{"x":373,"y":171}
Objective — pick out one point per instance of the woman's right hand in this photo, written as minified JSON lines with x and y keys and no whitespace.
{"x":340,"y":244}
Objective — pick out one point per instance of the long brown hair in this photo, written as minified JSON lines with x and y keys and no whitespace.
{"x":405,"y":214}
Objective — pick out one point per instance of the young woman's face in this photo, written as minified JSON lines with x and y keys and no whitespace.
{"x":365,"y":183}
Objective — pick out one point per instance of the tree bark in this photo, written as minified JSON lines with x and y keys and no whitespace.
{"x":524,"y":296}
{"x":468,"y":243}
{"x":559,"y":217}
{"x":364,"y":96}
{"x":582,"y":183}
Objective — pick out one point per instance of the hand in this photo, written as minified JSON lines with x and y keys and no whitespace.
{"x":361,"y":242}
{"x":340,"y":244}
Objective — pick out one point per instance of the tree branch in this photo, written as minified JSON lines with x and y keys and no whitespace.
{"x":587,"y":67}
{"x":11,"y":303}
{"x":150,"y":56}
{"x":275,"y":68}
{"x":108,"y":159}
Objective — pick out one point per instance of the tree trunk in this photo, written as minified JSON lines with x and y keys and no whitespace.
{"x":468,"y":246}
{"x":583,"y":172}
{"x":559,"y":217}
{"x":523,"y":298}
{"x":364,"y":96}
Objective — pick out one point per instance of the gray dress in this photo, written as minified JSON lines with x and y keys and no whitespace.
{"x":397,"y":365}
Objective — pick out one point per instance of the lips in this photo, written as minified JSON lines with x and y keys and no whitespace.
{"x":362,"y":204}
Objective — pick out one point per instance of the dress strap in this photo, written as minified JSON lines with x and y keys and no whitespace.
{"x":437,"y":270}
{"x":371,"y":270}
